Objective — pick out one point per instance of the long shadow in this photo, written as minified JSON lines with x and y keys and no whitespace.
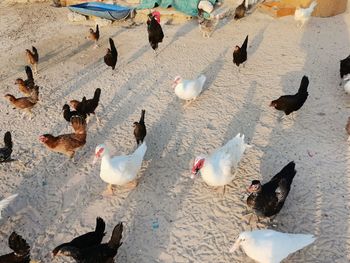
{"x":255,"y":43}
{"x":213,"y":69}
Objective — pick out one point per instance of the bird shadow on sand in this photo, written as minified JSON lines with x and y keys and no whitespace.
{"x":256,"y":41}
{"x":213,"y":69}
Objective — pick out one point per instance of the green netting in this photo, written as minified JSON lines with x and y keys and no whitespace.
{"x":188,"y":7}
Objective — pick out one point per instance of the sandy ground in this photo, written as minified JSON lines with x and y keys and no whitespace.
{"x":169,"y":217}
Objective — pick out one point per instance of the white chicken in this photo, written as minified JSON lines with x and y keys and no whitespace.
{"x":188,"y":89}
{"x":269,"y":246}
{"x":4,"y":203}
{"x":220,"y":168}
{"x":302,"y":15}
{"x":119,"y":170}
{"x":346,"y":79}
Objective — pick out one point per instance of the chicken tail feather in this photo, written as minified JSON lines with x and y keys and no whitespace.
{"x":78,"y":124}
{"x":8,"y":140}
{"x":100,"y":225}
{"x":245,"y":43}
{"x":142,"y":119}
{"x":116,"y":237}
{"x":113,"y":49}
{"x":303,"y":85}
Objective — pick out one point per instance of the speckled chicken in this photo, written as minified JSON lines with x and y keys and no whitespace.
{"x":94,"y":35}
{"x":267,"y":200}
{"x":68,"y":113}
{"x":26,"y":86}
{"x":103,"y":253}
{"x":111,"y":56}
{"x":87,"y":107}
{"x":67,"y":144}
{"x":140,"y":128}
{"x":89,"y":239}
{"x":33,"y":58}
{"x":6,"y":151}
{"x":21,"y":250}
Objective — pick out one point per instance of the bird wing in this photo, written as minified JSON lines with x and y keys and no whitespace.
{"x":4,"y":203}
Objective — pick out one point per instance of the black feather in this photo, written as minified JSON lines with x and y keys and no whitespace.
{"x":6,"y":151}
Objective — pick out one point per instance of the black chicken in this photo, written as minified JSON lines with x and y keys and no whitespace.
{"x":140,"y":128}
{"x":240,"y":11}
{"x":21,"y":250}
{"x":155,"y":32}
{"x":290,"y":103}
{"x":87,"y":106}
{"x":102,"y":253}
{"x":268,"y":199}
{"x":112,"y":55}
{"x":6,"y":151}
{"x":240,"y":53}
{"x":68,"y":114}
{"x":89,"y":239}
{"x":344,"y":66}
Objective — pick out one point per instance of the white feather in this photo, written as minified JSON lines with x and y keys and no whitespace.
{"x":190,"y":89}
{"x":269,"y":246}
{"x":120,"y":170}
{"x":4,"y":203}
{"x":302,"y":15}
{"x":219,"y":168}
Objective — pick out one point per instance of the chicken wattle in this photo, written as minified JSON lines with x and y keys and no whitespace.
{"x":120,"y":170}
{"x":219,"y":168}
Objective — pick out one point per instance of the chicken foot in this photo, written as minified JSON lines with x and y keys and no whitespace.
{"x":131,"y":185}
{"x":109,"y":191}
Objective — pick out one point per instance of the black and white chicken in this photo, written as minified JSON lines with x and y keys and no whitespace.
{"x":267,"y":200}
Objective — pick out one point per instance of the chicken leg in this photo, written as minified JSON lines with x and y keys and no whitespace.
{"x":109,"y":191}
{"x":131,"y":185}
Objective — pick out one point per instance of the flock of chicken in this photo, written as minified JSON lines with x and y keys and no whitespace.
{"x":217,"y":170}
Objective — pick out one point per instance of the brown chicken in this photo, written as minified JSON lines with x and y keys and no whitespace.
{"x":94,"y":35}
{"x":24,"y":103}
{"x":240,"y":11}
{"x":33,"y":58}
{"x":26,"y":86}
{"x":67,"y":144}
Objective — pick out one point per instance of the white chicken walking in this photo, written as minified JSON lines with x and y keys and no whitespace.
{"x":120,"y":170}
{"x":302,"y":15}
{"x":269,"y":246}
{"x":188,"y":89}
{"x":4,"y":203}
{"x":220,"y":168}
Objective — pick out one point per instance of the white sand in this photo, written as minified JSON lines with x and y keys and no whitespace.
{"x":196,"y":224}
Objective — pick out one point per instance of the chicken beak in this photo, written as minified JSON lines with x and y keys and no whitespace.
{"x":235,"y":246}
